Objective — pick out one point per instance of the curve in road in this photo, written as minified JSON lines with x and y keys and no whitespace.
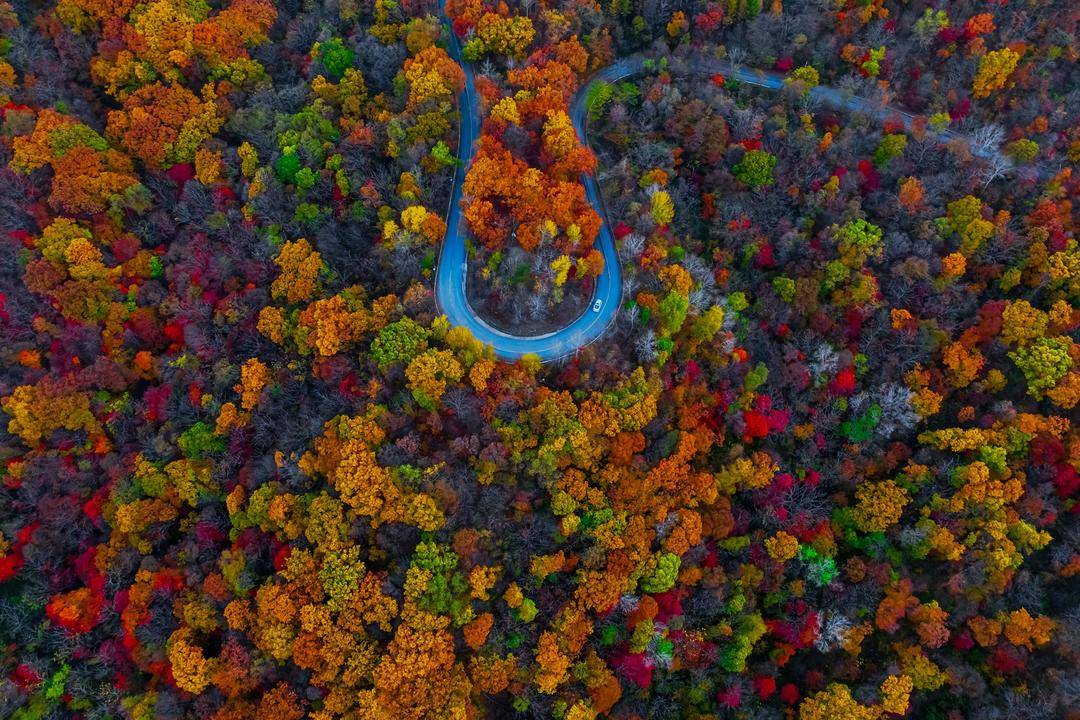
{"x":452,"y":269}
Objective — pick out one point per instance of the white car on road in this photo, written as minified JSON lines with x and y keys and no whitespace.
{"x":596,"y":305}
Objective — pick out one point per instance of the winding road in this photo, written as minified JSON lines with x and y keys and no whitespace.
{"x":452,"y":269}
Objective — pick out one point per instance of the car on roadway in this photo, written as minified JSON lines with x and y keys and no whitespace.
{"x":596,"y":305}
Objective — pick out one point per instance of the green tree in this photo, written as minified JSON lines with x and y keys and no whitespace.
{"x":1022,"y":150}
{"x":807,"y":75}
{"x":891,"y":146}
{"x":599,"y":95}
{"x":473,"y":50}
{"x":748,"y":630}
{"x":1043,"y":363}
{"x":199,"y":440}
{"x":336,"y":57}
{"x":286,"y":167}
{"x":447,"y":589}
{"x":399,"y":341}
{"x":663,"y":575}
{"x":756,"y":168}
{"x":857,"y":241}
{"x":708,"y":323}
{"x":441,"y":152}
{"x":784,"y":287}
{"x":673,"y":313}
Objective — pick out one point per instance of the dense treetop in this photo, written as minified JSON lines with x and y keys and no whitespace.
{"x":824,"y":466}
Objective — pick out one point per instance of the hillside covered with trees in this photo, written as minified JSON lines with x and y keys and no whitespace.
{"x":824,"y":464}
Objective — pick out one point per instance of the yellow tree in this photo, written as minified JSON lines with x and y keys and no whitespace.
{"x":508,"y":36}
{"x":428,"y":374}
{"x":994,"y":71}
{"x":432,"y":76}
{"x":253,"y":378}
{"x":507,"y":111}
{"x":300,"y":268}
{"x":418,"y":677}
{"x":663,"y":210}
{"x":879,"y":505}
{"x":836,"y":703}
{"x":36,"y":411}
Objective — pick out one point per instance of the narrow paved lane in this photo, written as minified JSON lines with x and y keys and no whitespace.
{"x":451,"y":272}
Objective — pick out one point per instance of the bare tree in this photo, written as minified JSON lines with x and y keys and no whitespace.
{"x":645,"y":346}
{"x":632,"y":246}
{"x":985,"y":141}
{"x":997,"y":166}
{"x":736,"y":56}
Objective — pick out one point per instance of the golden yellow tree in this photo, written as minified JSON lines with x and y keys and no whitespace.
{"x":300,"y":268}
{"x":994,"y":70}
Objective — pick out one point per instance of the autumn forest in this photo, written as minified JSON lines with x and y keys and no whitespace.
{"x":571,"y":359}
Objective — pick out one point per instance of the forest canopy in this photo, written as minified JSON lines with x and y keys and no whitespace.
{"x":821,"y":465}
